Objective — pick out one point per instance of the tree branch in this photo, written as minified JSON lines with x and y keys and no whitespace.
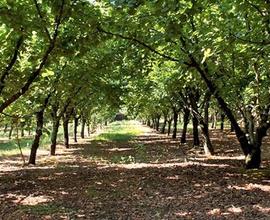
{"x":261,"y":43}
{"x":255,"y":7}
{"x":140,"y":43}
{"x":42,"y":19}
{"x":36,"y":72}
{"x":11,"y":63}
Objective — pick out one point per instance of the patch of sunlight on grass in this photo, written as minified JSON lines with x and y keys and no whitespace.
{"x":10,"y":147}
{"x":120,"y":131}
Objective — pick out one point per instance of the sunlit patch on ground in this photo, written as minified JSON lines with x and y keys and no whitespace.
{"x":251,"y":186}
{"x":148,"y":176}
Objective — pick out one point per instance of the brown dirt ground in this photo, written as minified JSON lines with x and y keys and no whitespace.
{"x":150,"y":177}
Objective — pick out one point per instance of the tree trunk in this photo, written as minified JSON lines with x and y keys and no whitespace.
{"x":214,"y":120}
{"x":39,"y":128}
{"x":66,"y":135}
{"x":76,"y":123}
{"x":88,"y":128}
{"x":164,"y":125}
{"x":35,"y":144}
{"x":222,"y":118}
{"x":169,"y":126}
{"x":10,"y":132}
{"x":22,"y":128}
{"x":55,"y":128}
{"x":252,"y":160}
{"x":196,"y":139}
{"x":157,"y":122}
{"x":232,"y":128}
{"x":22,"y":132}
{"x":153,"y":123}
{"x":175,"y":120}
{"x":207,"y":145}
{"x":185,"y":124}
{"x":83,"y":127}
{"x":5,"y":128}
{"x":148,"y":123}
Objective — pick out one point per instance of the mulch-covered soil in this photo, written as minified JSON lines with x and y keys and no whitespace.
{"x":149,"y":177}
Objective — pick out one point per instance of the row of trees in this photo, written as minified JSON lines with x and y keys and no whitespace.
{"x":55,"y":67}
{"x":158,"y":58}
{"x":203,"y":54}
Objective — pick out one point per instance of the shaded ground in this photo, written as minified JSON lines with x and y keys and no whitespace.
{"x":147,"y":177}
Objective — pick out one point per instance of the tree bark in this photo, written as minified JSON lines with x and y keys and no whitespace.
{"x":10,"y":132}
{"x":22,"y":128}
{"x":83,"y":127}
{"x":88,"y":128}
{"x":157,"y":122}
{"x":55,"y":128}
{"x":39,"y":128}
{"x":66,"y":135}
{"x":76,"y":123}
{"x":196,"y":139}
{"x":148,"y":123}
{"x":35,"y":144}
{"x":251,"y":154}
{"x":214,"y":120}
{"x":175,"y":120}
{"x":185,"y":124}
{"x":11,"y":63}
{"x":164,"y":124}
{"x":5,"y":128}
{"x":222,"y":118}
{"x":169,"y":126}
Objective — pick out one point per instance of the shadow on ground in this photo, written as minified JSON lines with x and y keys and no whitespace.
{"x":147,"y":177}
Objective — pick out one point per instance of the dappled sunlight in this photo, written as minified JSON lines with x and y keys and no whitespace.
{"x":119,"y":149}
{"x":163,"y":165}
{"x":234,"y":209}
{"x":251,"y":187}
{"x":34,"y":200}
{"x":28,"y":200}
{"x":265,"y":210}
{"x":182,"y":214}
{"x":148,"y":174}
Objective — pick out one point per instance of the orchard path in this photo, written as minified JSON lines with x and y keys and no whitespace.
{"x":147,"y":177}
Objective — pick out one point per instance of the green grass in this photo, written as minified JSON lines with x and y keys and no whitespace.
{"x":10,"y":147}
{"x":119,"y":131}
